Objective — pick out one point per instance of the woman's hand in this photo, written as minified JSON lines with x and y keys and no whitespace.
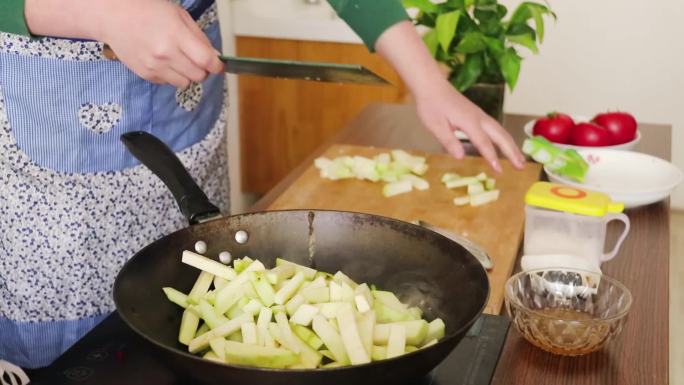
{"x":156,"y":39}
{"x":444,"y":110}
{"x":441,"y":107}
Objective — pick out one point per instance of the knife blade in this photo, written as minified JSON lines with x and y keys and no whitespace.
{"x":469,"y":245}
{"x":303,"y":70}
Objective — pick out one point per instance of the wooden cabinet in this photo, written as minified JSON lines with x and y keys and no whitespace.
{"x":283,"y":121}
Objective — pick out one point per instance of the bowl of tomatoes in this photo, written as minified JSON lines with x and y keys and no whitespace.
{"x":613,"y":130}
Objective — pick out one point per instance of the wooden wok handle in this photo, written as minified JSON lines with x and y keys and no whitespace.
{"x":159,"y":158}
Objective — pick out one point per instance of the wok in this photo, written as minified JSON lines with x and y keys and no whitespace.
{"x":422,"y":267}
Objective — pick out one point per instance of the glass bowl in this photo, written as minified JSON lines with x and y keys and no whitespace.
{"x":568,"y":312}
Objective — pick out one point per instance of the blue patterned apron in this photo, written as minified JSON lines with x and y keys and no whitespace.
{"x":74,"y":205}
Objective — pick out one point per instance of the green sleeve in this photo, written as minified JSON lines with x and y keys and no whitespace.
{"x":370,"y":18}
{"x":12,"y":17}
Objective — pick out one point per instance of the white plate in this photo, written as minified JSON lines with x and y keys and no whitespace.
{"x":529,"y":126}
{"x":632,"y":178}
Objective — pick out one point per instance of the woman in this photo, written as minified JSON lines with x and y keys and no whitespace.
{"x":75,"y":205}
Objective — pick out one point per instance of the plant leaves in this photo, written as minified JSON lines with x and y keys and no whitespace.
{"x":469,"y":3}
{"x":430,"y":40}
{"x":422,"y":5}
{"x":454,"y":4}
{"x":469,"y":72}
{"x":501,"y":11}
{"x":538,"y":21}
{"x":446,"y":28}
{"x":495,"y":46}
{"x":525,"y":40}
{"x":510,"y":67}
{"x":472,"y":42}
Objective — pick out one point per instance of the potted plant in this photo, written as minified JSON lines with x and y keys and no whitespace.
{"x":478,"y":44}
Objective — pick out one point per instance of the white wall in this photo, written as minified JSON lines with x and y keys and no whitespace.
{"x":610,"y":54}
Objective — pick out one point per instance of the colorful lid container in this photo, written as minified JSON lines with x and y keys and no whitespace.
{"x":558,"y":197}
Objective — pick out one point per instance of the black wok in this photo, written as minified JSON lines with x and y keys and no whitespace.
{"x":422,"y":267}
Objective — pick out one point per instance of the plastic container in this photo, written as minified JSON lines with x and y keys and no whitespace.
{"x":561,"y":219}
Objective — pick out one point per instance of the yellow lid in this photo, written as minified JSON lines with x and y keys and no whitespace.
{"x":571,"y":200}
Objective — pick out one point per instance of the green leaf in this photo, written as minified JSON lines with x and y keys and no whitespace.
{"x":495,"y":46}
{"x":430,"y":40}
{"x":469,"y":72}
{"x":501,"y":11}
{"x":510,"y":67}
{"x":472,"y":42}
{"x":446,"y":28}
{"x":521,"y":14}
{"x":469,"y":3}
{"x":538,"y":21}
{"x":422,"y":5}
{"x":454,"y":4}
{"x":525,"y":40}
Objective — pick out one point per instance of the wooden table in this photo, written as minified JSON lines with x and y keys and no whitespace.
{"x":639,"y":355}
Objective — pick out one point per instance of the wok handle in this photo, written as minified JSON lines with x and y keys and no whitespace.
{"x":161,"y":160}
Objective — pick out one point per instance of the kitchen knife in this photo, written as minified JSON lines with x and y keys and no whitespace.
{"x":469,"y":245}
{"x":315,"y":71}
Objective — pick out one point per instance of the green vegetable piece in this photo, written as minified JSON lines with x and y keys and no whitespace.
{"x":566,"y":162}
{"x":396,"y":188}
{"x":490,"y":183}
{"x":435,"y":330}
{"x":176,"y":297}
{"x":415,"y":332}
{"x":316,"y":294}
{"x":201,"y":287}
{"x":415,"y":313}
{"x":218,"y":346}
{"x":202,"y":329}
{"x":331,"y":338}
{"x":210,"y":316}
{"x":188,"y":327}
{"x":387,"y":314}
{"x":410,"y":349}
{"x":263,"y":289}
{"x":260,"y":356}
{"x":327,"y":354}
{"x":308,"y":336}
{"x":308,"y":272}
{"x":379,"y":353}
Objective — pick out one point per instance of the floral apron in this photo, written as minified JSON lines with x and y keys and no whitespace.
{"x":74,"y":204}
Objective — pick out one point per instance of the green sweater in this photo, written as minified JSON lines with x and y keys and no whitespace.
{"x":368,"y":18}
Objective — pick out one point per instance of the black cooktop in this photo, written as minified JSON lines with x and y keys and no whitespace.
{"x":112,"y":355}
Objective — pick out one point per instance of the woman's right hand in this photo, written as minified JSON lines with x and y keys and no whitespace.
{"x":156,"y":39}
{"x":159,"y":41}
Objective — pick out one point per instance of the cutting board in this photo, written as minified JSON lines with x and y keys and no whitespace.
{"x":497,"y":226}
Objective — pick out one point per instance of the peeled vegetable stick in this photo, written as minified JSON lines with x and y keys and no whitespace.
{"x":249,"y":333}
{"x":340,"y":278}
{"x":335,"y":292}
{"x":260,"y":356}
{"x":396,"y":345}
{"x":264,"y":290}
{"x":249,"y":291}
{"x":331,"y":338}
{"x":484,"y":198}
{"x":253,"y":307}
{"x":366,"y":325}
{"x":435,"y":330}
{"x":481,"y":177}
{"x":304,"y":315}
{"x":237,"y":336}
{"x":176,"y":297}
{"x":410,"y":349}
{"x":308,"y":336}
{"x":294,"y":304}
{"x":378,"y":353}
{"x":286,"y":332}
{"x":415,"y":313}
{"x":209,"y":315}
{"x":329,"y":309}
{"x":236,"y":309}
{"x":490,"y":183}
{"x":225,"y":298}
{"x":316,"y":294}
{"x":318,"y":282}
{"x":208,"y":265}
{"x":201,"y":287}
{"x":328,"y":354}
{"x":475,"y":188}
{"x":415,"y":332}
{"x":218,"y":346}
{"x":456,"y":183}
{"x":289,"y":289}
{"x":389,"y":299}
{"x":396,"y":188}
{"x":280,"y":273}
{"x":188,"y":327}
{"x":309,"y":273}
{"x":309,"y":356}
{"x":350,"y":336}
{"x":219,"y":282}
{"x":364,"y":290}
{"x":263,"y":335}
{"x":210,"y":355}
{"x":417,"y":182}
{"x":230,"y":327}
{"x":429,"y":343}
{"x":334,"y":364}
{"x":202,"y":329}
{"x":361,"y":304}
{"x":449,"y":176}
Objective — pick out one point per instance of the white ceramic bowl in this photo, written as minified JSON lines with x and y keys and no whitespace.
{"x":529,"y":126}
{"x":632,"y":178}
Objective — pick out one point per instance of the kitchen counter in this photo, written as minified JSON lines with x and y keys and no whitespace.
{"x":640,"y":354}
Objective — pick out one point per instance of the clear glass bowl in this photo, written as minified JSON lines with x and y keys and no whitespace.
{"x":568,"y":312}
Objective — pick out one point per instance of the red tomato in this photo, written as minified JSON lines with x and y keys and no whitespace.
{"x":555,"y":127}
{"x":590,"y":135}
{"x":621,"y":126}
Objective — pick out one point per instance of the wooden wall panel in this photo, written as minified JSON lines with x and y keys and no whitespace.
{"x":283,"y":121}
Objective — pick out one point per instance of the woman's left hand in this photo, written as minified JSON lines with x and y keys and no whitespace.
{"x":444,"y":110}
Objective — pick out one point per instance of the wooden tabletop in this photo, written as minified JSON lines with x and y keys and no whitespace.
{"x":640,"y":354}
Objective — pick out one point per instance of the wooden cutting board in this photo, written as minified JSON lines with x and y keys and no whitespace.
{"x":497,"y":227}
